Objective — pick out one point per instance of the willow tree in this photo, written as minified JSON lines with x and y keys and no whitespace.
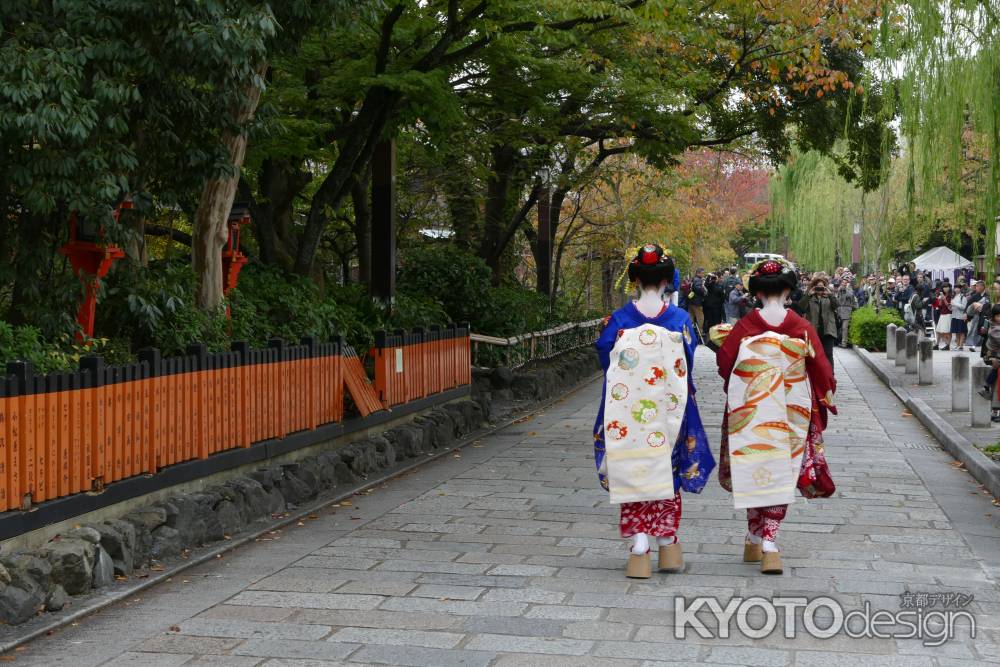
{"x":948,"y":52}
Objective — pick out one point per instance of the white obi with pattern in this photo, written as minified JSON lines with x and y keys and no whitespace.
{"x":645,"y":399}
{"x":770,"y":406}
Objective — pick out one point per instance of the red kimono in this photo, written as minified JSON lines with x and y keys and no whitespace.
{"x":814,"y":479}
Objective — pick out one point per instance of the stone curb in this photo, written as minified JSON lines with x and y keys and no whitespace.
{"x":982,"y":468}
{"x":103,"y":599}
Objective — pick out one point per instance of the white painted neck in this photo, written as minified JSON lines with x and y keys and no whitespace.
{"x":650,"y":301}
{"x":774,"y":310}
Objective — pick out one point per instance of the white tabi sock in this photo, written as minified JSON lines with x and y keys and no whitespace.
{"x":753,"y":539}
{"x":640,"y":545}
{"x":769,"y":546}
{"x":666,"y":541}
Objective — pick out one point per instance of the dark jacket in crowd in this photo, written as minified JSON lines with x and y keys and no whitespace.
{"x":902,"y":296}
{"x":821,"y":313}
{"x":698,"y":291}
{"x":861,"y":294}
{"x":715,"y":297}
{"x":795,"y":297}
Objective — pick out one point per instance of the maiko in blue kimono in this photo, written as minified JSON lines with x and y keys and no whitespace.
{"x":691,"y":456}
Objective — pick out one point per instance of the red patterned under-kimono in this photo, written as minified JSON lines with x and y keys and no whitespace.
{"x":765,"y":521}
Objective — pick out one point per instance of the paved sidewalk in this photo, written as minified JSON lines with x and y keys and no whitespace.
{"x":507,"y":555}
{"x":938,"y":395}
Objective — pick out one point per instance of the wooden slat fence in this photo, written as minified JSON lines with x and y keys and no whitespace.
{"x":68,"y":433}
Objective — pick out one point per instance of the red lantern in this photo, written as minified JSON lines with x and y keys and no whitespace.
{"x":233,"y":260}
{"x":91,"y":259}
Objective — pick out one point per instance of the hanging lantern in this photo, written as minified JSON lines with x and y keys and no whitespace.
{"x":233,"y":260}
{"x":91,"y":259}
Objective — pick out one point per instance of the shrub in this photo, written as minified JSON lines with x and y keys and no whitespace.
{"x":868,"y":327}
{"x":512,"y":311}
{"x":460,"y":283}
{"x":457,"y":280}
{"x":155,"y":307}
{"x":26,"y":343}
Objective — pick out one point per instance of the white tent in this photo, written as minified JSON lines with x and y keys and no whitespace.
{"x":941,"y":262}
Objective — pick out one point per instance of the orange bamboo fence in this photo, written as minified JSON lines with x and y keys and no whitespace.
{"x":68,"y":433}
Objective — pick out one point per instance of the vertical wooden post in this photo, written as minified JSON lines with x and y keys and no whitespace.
{"x":544,"y":268}
{"x":384,"y":221}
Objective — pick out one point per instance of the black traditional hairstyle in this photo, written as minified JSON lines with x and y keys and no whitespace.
{"x":651,"y":266}
{"x":771,"y":277}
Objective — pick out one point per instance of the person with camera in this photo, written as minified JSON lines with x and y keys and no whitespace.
{"x":959,"y":316}
{"x":978,"y":311}
{"x":847,"y":303}
{"x":819,"y":306}
{"x":715,"y":300}
{"x":696,"y":300}
{"x":943,"y":306}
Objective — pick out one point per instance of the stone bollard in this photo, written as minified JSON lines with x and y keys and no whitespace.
{"x":900,"y":347}
{"x":911,"y":352}
{"x":890,"y":341}
{"x":925,"y":364}
{"x":960,"y":383}
{"x":982,"y":408}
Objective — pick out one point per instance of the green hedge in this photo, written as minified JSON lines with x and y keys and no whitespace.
{"x":154,"y":306}
{"x":868,"y":327}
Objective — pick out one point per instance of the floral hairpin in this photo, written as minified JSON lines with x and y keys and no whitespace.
{"x":646,"y":254}
{"x":770,"y":267}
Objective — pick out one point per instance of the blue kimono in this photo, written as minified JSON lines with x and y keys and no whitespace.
{"x":692,"y":457}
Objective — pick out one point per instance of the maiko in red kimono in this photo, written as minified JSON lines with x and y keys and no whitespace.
{"x":814,"y":480}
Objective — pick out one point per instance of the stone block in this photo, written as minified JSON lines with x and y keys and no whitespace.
{"x":57,"y":599}
{"x":17,"y":605}
{"x":187,"y":518}
{"x":150,"y":517}
{"x":294,"y":490}
{"x":26,"y":569}
{"x":229,"y":518}
{"x":167,"y":543}
{"x":72,"y":563}
{"x":104,"y":569}
{"x":326,"y":468}
{"x":254,"y":499}
{"x":85,"y":533}
{"x":385,"y":453}
{"x":501,"y":378}
{"x":344,"y":473}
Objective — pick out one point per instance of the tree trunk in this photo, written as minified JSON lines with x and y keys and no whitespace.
{"x":463,"y":209}
{"x":279,"y":183}
{"x":497,"y":207}
{"x":571,"y":231}
{"x":135,"y":248}
{"x":363,"y":223}
{"x":361,"y":136}
{"x":607,"y":284}
{"x":210,"y":233}
{"x":543,"y":244}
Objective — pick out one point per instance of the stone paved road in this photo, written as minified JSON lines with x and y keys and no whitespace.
{"x":508,"y":556}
